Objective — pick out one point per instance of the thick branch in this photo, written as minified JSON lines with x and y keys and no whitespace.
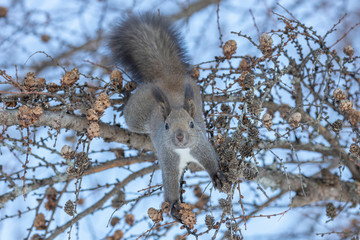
{"x":315,"y":190}
{"x":108,"y":132}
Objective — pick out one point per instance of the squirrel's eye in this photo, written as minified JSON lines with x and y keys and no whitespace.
{"x":191,"y":124}
{"x":166,"y":126}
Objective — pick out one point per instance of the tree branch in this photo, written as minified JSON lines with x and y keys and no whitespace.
{"x":108,"y":132}
{"x":101,"y":202}
{"x":314,"y":188}
{"x":64,"y":177}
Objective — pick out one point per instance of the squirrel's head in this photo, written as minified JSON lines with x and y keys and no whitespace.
{"x":179,"y":127}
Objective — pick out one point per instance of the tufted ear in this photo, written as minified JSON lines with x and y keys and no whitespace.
{"x":189,"y":104}
{"x":162,"y":101}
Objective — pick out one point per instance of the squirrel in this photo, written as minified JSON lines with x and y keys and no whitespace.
{"x":167,"y":103}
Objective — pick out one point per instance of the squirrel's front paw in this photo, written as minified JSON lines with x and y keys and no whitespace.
{"x":218,"y":179}
{"x":175,"y":211}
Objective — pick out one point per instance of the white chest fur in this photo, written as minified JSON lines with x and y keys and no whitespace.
{"x":185,"y":157}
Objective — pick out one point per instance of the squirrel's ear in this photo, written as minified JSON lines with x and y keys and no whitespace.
{"x":189,"y":104}
{"x":162,"y":101}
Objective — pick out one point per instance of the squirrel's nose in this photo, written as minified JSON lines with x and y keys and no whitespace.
{"x":180,"y":137}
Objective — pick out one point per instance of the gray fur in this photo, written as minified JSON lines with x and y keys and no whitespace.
{"x":167,"y":103}
{"x":149,"y":47}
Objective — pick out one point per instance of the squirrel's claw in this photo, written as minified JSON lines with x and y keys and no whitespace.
{"x":218,"y":179}
{"x":175,"y":211}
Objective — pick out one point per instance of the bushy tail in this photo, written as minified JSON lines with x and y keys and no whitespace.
{"x":149,"y":47}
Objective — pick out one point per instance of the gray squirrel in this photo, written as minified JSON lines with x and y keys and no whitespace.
{"x":167,"y":103}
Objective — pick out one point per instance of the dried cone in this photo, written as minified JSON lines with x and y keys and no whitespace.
{"x":225,"y":108}
{"x":114,"y":221}
{"x":119,"y":200}
{"x":81,"y":201}
{"x":195,"y":73}
{"x":245,"y":64}
{"x":339,"y":94}
{"x":221,"y":122}
{"x":295,"y":119}
{"x":50,"y":194}
{"x":3,"y":12}
{"x":246,"y":149}
{"x":354,"y":117}
{"x":228,"y":157}
{"x":40,"y":84}
{"x":202,"y":202}
{"x":229,"y":165}
{"x":229,"y":48}
{"x":50,"y":205}
{"x":93,"y":130}
{"x":355,"y":149}
{"x":66,"y":152}
{"x":69,"y":208}
{"x":328,"y":178}
{"x":246,"y":80}
{"x":130,"y":86}
{"x":72,"y":171}
{"x":52,"y":87}
{"x":219,"y":139}
{"x":118,"y":235}
{"x":104,"y":99}
{"x":28,"y":116}
{"x":349,"y":51}
{"x":129,"y":219}
{"x":70,"y":78}
{"x":99,"y":108}
{"x":32,"y":84}
{"x":198,"y":192}
{"x":254,"y":107}
{"x":45,"y":38}
{"x":116,"y":79}
{"x":337,"y":126}
{"x":203,"y":198}
{"x":253,"y":132}
{"x":284,"y":110}
{"x":37,"y":112}
{"x":155,"y":215}
{"x":346,"y":105}
{"x":92,"y":115}
{"x":266,"y":44}
{"x":188,"y":218}
{"x":267,"y":121}
{"x":39,"y":222}
{"x":249,"y":173}
{"x":225,"y":205}
{"x":330,"y":210}
{"x":82,"y":161}
{"x":29,"y":81}
{"x":209,"y":221}
{"x":102,"y":102}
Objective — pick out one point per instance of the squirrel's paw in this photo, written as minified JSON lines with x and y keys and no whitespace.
{"x":175,"y":211}
{"x":218,"y":180}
